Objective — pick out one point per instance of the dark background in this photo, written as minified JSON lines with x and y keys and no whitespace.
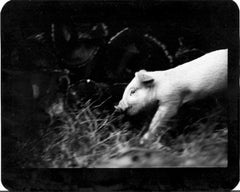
{"x":206,"y":26}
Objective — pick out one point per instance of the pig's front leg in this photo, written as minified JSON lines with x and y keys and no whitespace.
{"x":158,"y":124}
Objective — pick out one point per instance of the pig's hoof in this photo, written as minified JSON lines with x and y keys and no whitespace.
{"x":147,"y":139}
{"x":142,"y":141}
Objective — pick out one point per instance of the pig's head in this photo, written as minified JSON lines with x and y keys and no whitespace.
{"x":139,"y":93}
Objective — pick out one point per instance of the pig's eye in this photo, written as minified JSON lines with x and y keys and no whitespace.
{"x":133,"y":91}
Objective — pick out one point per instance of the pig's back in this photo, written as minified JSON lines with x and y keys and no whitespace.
{"x":205,"y":75}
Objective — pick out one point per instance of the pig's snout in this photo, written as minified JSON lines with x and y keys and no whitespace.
{"x":118,"y":109}
{"x":121,"y":107}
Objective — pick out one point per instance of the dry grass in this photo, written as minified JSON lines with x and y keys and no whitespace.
{"x":93,"y":138}
{"x":82,"y":138}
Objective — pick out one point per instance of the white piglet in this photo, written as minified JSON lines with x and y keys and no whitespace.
{"x":171,"y":88}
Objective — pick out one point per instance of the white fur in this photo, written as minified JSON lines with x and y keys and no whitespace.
{"x":172,"y":88}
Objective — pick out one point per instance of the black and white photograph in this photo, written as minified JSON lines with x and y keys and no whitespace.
{"x":97,"y":85}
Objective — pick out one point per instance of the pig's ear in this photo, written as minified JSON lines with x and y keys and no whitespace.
{"x":144,"y":77}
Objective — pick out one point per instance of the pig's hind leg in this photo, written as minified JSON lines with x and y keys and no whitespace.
{"x":158,"y":124}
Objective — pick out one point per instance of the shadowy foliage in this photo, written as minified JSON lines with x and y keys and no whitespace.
{"x":91,"y":138}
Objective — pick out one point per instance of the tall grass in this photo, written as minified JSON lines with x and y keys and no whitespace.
{"x":89,"y":137}
{"x":83,"y":138}
{"x":202,"y":142}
